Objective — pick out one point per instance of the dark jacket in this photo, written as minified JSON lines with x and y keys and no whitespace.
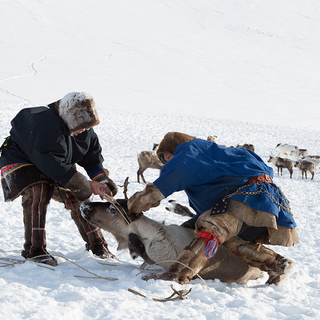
{"x":40,"y":137}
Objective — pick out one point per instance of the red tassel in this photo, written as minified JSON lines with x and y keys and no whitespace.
{"x":208,"y":236}
{"x":211,"y":243}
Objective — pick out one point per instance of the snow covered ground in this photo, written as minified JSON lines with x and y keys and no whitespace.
{"x":245,"y":71}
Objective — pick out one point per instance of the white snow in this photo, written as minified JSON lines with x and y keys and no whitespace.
{"x":246,"y":71}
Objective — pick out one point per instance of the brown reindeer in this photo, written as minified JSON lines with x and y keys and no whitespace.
{"x":212,"y":138}
{"x":305,"y":166}
{"x":312,"y":159}
{"x":148,"y":159}
{"x":247,"y":146}
{"x":156,"y":242}
{"x":281,"y":163}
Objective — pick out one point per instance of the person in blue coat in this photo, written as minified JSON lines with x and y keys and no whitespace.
{"x":235,"y":200}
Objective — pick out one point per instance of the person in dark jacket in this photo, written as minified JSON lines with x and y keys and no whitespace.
{"x":235,"y":199}
{"x":38,"y":161}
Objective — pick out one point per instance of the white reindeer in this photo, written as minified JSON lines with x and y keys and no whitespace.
{"x":286,"y":148}
{"x":299,"y":153}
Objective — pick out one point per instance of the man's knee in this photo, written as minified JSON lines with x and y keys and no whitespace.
{"x":223,"y":226}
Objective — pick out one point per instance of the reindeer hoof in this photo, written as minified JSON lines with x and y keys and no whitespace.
{"x":151,"y":276}
{"x":167,"y":276}
{"x":173,"y":204}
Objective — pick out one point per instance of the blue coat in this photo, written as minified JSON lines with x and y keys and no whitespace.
{"x":208,"y":172}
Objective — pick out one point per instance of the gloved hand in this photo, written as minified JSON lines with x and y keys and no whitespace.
{"x":143,"y":200}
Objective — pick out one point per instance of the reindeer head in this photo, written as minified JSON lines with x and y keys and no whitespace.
{"x":270,"y":158}
{"x":111,"y":218}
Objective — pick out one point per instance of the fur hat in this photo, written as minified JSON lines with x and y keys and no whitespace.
{"x":78,"y":111}
{"x":170,"y":141}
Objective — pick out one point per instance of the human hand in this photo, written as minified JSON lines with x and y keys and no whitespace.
{"x":99,"y":189}
{"x":146,"y":208}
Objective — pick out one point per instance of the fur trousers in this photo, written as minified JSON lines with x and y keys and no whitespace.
{"x":35,"y":200}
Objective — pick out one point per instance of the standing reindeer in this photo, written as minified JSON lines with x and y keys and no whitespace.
{"x":148,"y":159}
{"x":286,"y":148}
{"x":281,"y":163}
{"x":305,"y":166}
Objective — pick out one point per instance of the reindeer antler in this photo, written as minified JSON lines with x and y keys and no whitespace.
{"x":125,"y":188}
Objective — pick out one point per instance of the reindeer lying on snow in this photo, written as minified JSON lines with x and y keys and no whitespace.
{"x":156,"y":242}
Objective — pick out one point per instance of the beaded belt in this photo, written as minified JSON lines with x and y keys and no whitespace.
{"x":262,"y":178}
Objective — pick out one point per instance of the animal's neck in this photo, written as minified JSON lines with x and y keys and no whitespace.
{"x":140,"y":225}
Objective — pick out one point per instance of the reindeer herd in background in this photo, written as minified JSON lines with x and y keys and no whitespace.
{"x":289,"y":157}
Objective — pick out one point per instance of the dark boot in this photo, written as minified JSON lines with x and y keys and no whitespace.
{"x":263,"y":258}
{"x":97,"y":244}
{"x":90,"y":234}
{"x":35,"y":200}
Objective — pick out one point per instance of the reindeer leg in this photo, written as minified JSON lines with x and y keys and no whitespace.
{"x":125,"y":188}
{"x":179,"y":209}
{"x":138,"y":176}
{"x":143,"y":177}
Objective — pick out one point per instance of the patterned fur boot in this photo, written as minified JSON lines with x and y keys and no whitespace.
{"x":257,"y":255}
